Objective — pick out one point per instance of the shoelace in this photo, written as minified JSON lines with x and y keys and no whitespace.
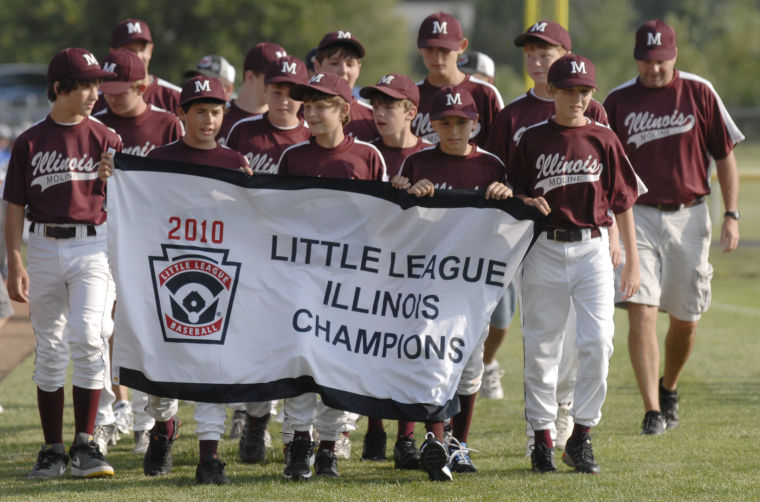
{"x":91,"y":449}
{"x":45,"y":458}
{"x":586,"y":452}
{"x":460,"y":450}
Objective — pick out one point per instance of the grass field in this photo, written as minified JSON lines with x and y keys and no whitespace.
{"x":713,"y":455}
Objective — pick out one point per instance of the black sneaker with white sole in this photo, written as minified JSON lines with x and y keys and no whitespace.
{"x":210,"y":471}
{"x":326,"y":464}
{"x":433,"y":459}
{"x":405,"y":454}
{"x":300,"y":451}
{"x":580,"y":455}
{"x":51,"y":462}
{"x":669,"y":406}
{"x":542,"y":459}
{"x":653,"y":423}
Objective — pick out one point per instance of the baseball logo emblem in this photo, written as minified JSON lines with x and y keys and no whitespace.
{"x":195,"y":291}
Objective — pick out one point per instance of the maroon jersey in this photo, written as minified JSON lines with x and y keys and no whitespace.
{"x":453,"y":172}
{"x":262,"y":142}
{"x":582,"y":172}
{"x":232,"y":116}
{"x":352,"y":159}
{"x":154,"y":127}
{"x":487,"y":99}
{"x":394,"y":156}
{"x":221,"y":156}
{"x":522,"y":113}
{"x":668,"y":132}
{"x":54,"y":171}
{"x":362,"y":124}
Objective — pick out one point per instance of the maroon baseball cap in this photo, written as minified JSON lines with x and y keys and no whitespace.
{"x":75,"y":64}
{"x":344,"y":38}
{"x":327,"y":83}
{"x":548,"y":31}
{"x":395,"y":85}
{"x":289,"y":69}
{"x":128,"y":68}
{"x":571,"y":70}
{"x":440,"y":30}
{"x":453,"y":101}
{"x":258,"y":58}
{"x":655,"y":41}
{"x":130,"y":30}
{"x":202,"y":87}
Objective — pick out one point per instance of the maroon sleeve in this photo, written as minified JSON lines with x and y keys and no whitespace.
{"x":624,"y":187}
{"x":15,"y":179}
{"x":596,"y":112}
{"x":719,"y":142}
{"x":499,"y":136}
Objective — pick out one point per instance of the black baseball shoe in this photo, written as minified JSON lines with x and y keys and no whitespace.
{"x":210,"y":471}
{"x":580,"y":455}
{"x":158,"y":456}
{"x":405,"y":453}
{"x":542,"y":459}
{"x":374,"y":446}
{"x":433,"y":459}
{"x":669,"y":406}
{"x":300,"y":451}
{"x":252,"y":445}
{"x":653,"y":424}
{"x":326,"y":464}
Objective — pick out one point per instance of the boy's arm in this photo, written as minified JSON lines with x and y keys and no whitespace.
{"x":18,"y":279}
{"x":630,"y":279}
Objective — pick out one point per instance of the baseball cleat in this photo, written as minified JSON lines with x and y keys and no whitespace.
{"x":326,"y":464}
{"x":459,"y":457}
{"x":491,"y":387}
{"x":300,"y":452}
{"x":653,"y":424}
{"x":580,"y":455}
{"x":669,"y":406}
{"x":252,"y":445}
{"x":564,"y":425}
{"x":405,"y":453}
{"x":374,"y":446}
{"x":433,"y":459}
{"x":158,"y":456}
{"x":542,"y":459}
{"x":211,"y":472}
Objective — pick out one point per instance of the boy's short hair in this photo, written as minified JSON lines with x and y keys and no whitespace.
{"x":396,"y":85}
{"x":310,"y":95}
{"x":379,"y":98}
{"x":440,"y":30}
{"x":548,"y":31}
{"x":67,"y":85}
{"x":339,"y":41}
{"x":453,"y":101}
{"x":537,"y":43}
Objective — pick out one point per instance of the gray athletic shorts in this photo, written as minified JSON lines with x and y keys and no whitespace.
{"x":673,"y":258}
{"x":505,"y":310}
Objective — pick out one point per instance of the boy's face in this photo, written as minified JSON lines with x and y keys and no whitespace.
{"x":343,"y":65}
{"x":391,"y":117}
{"x":441,"y":61}
{"x":570,"y":104}
{"x":324,"y":117}
{"x":124,"y":103}
{"x":538,"y":59}
{"x":282,"y":108}
{"x":143,"y":49}
{"x":80,"y":101}
{"x":454,"y":133}
{"x":202,"y":122}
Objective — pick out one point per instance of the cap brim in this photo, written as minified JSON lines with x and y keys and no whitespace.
{"x":369,"y":91}
{"x":662,"y":54}
{"x":198,"y":98}
{"x":452,"y":45}
{"x":298,"y":90}
{"x":574,"y":82}
{"x":454,"y":113}
{"x":523,"y":39}
{"x":353,"y":43}
{"x":90,"y":74}
{"x":282,"y":79}
{"x":115,"y":86}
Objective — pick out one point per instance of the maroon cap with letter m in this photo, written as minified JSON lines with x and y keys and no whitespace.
{"x":344,"y":38}
{"x":452,"y":101}
{"x":128,"y":31}
{"x":75,"y":64}
{"x":289,"y":69}
{"x":326,"y":83}
{"x":202,"y":87}
{"x":440,"y":30}
{"x":261,"y":55}
{"x":572,"y":70}
{"x":395,"y":85}
{"x":548,"y":31}
{"x":128,"y":68}
{"x":655,"y":41}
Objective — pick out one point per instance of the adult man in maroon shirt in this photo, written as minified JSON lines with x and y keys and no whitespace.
{"x":670,"y":123}
{"x":52,"y":176}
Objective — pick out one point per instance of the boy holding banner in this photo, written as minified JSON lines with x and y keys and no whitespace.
{"x":454,"y":163}
{"x":201,"y":109}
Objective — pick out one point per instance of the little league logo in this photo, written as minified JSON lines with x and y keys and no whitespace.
{"x":195,"y":291}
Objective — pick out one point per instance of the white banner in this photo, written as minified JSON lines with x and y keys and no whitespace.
{"x":234,"y":289}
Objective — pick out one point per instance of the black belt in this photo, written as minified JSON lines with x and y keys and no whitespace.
{"x":674,"y":206}
{"x":565,"y":235}
{"x":58,"y":232}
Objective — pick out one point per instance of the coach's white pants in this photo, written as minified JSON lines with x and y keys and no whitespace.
{"x":304,"y":410}
{"x":551,"y":275}
{"x":69,"y":283}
